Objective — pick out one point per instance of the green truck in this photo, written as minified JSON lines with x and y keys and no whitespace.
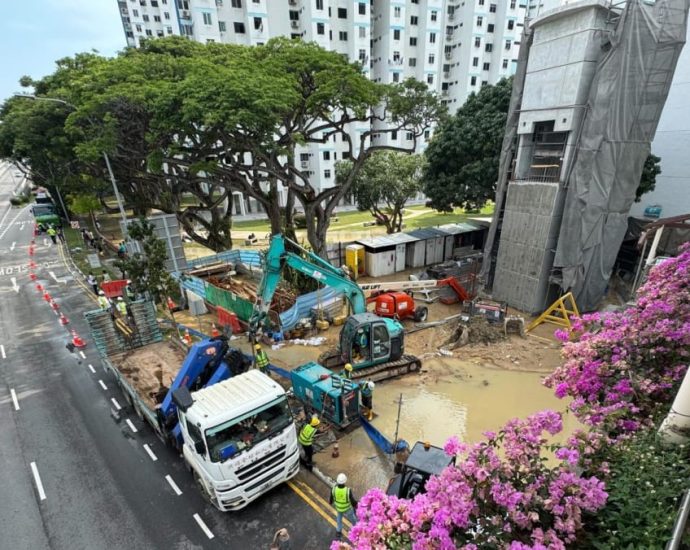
{"x":44,"y":214}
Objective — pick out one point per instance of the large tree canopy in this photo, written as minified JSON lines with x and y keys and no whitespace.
{"x":179,"y":117}
{"x":385,"y":183}
{"x":463,"y":155}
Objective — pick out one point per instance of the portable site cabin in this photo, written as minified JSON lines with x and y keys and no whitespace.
{"x":463,"y":235}
{"x":434,"y":243}
{"x":385,"y":255}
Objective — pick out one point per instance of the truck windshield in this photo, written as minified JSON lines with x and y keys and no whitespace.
{"x":241,"y":434}
{"x":42,"y":209}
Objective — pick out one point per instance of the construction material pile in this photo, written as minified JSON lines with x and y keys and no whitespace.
{"x":283,"y":299}
{"x":475,"y":331}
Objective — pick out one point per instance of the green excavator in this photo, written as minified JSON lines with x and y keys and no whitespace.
{"x":373,"y":345}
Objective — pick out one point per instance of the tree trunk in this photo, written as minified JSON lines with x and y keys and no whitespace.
{"x":289,"y":228}
{"x":317,"y":227}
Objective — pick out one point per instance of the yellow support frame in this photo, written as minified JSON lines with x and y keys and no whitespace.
{"x":558,"y":313}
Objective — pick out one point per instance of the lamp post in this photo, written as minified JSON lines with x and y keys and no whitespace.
{"x":118,"y":197}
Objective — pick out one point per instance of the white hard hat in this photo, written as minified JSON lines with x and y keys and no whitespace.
{"x":371,"y":385}
{"x":341,"y":479}
{"x":119,"y":298}
{"x":101,"y":293}
{"x":129,"y":282}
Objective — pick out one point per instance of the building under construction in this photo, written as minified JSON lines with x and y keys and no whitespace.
{"x":592,"y":80}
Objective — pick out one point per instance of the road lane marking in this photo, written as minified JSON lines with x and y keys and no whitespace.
{"x":2,"y":351}
{"x":14,"y":399}
{"x":37,"y":479}
{"x":116,"y":404}
{"x":52,"y":274}
{"x":203,"y":526}
{"x":14,"y":284}
{"x":174,"y":486}
{"x":150,"y":452}
{"x":133,"y":427}
{"x":105,"y":388}
{"x":14,"y":243}
{"x":83,"y":355}
{"x":313,"y":494}
{"x":4,"y":231}
{"x":311,"y":503}
{"x":92,"y":369}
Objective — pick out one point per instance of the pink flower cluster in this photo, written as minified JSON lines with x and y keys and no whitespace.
{"x":624,"y":363}
{"x":501,"y":493}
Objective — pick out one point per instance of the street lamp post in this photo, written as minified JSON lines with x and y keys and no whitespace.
{"x":118,"y":197}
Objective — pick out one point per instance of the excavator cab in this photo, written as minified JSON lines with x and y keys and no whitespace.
{"x":367,"y":340}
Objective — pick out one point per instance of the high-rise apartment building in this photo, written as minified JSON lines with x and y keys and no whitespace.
{"x":454,"y":46}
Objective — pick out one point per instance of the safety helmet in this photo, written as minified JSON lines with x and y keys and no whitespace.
{"x":257,"y":347}
{"x":129,"y":282}
{"x":371,"y":385}
{"x":315,"y":421}
{"x":119,"y":298}
{"x":348,"y":367}
{"x":101,"y":293}
{"x":341,"y":479}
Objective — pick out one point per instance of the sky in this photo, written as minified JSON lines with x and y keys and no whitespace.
{"x":35,"y":33}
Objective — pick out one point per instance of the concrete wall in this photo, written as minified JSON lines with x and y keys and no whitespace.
{"x":528,"y":240}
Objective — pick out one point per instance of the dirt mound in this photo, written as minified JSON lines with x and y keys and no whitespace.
{"x":476,"y":331}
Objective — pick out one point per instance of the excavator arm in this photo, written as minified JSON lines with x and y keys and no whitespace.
{"x":313,"y":266}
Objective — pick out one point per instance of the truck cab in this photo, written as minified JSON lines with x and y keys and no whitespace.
{"x":44,"y":213}
{"x":424,"y":461}
{"x":367,"y":339}
{"x":239,"y":439}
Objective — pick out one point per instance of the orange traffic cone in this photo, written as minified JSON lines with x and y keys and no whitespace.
{"x":47,"y":297}
{"x":31,"y":251}
{"x":171,"y":304}
{"x":54,"y":305}
{"x":32,"y":264}
{"x":215,"y":333}
{"x":77,"y":340}
{"x":32,"y":276}
{"x":187,"y":338}
{"x":63,"y":320}
{"x":39,"y":287}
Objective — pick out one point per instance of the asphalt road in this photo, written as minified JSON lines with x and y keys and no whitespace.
{"x":74,"y":474}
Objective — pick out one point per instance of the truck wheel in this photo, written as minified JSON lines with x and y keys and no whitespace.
{"x":421,"y":314}
{"x":203,"y":489}
{"x":415,"y":366}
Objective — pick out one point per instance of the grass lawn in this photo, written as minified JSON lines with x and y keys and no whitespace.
{"x":79,"y":252}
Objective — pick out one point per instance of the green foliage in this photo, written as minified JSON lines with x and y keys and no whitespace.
{"x":650,"y":171}
{"x":464,"y":153}
{"x":386,"y":181}
{"x":83,"y":204}
{"x":147,"y":269}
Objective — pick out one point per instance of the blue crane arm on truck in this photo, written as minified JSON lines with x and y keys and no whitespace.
{"x":276,"y":257}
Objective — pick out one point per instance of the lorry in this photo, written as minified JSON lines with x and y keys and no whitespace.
{"x":45,"y":214}
{"x":234,"y":428}
{"x":373,"y":345}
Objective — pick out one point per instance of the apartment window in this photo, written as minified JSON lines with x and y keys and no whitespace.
{"x":396,"y":57}
{"x":480,"y":21}
{"x":138,"y":27}
{"x":166,"y":14}
{"x":219,"y":3}
{"x":294,"y":15}
{"x":490,"y":27}
{"x":362,"y":56}
{"x":342,"y":35}
{"x":477,"y":41}
{"x":396,"y":34}
{"x":488,"y":48}
{"x":505,"y":64}
{"x":412,"y":62}
{"x":142,"y":2}
{"x":362,"y":8}
{"x":396,"y":11}
{"x":326,"y":155}
{"x":508,"y":44}
{"x":481,"y":2}
{"x":409,"y":136}
{"x":485,"y":82}
{"x":432,"y":38}
{"x":154,"y":3}
{"x":145,"y":17}
{"x":327,"y":174}
{"x":320,"y":28}
{"x":429,"y":79}
{"x":414,"y":20}
{"x":304,"y":157}
{"x":148,"y":32}
{"x":342,"y":13}
{"x":415,"y":1}
{"x":413,"y":40}
{"x":473,"y":81}
{"x":169,"y":30}
{"x":492,"y":8}
{"x":239,"y":28}
{"x":475,"y":62}
{"x":319,"y":4}
{"x":486,"y":66}
{"x":512,"y":4}
{"x":157,"y":18}
{"x":396,"y":77}
{"x":236,"y":3}
{"x":222,"y":27}
{"x":160,"y":34}
{"x":511,"y":24}
{"x":427,"y":135}
{"x":135,"y":13}
{"x":258,"y":23}
{"x":432,"y":58}
{"x":362,"y":32}
{"x":394,"y":136}
{"x":207,"y":18}
{"x":434,"y":15}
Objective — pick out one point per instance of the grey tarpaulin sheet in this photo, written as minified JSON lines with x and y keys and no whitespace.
{"x":626,"y":98}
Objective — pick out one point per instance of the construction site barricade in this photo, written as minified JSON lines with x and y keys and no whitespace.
{"x":229,"y":301}
{"x":228,"y":318}
{"x":113,"y":289}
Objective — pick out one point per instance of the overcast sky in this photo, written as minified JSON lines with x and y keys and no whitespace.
{"x":35,"y":33}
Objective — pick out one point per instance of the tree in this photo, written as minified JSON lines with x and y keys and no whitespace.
{"x":650,"y":171}
{"x":146,"y":269}
{"x":463,"y":155}
{"x":386,"y":181}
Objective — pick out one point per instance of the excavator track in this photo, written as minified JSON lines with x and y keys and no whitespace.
{"x":405,"y":364}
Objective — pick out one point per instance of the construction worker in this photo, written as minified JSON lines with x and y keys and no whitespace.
{"x":366,"y":390}
{"x":91,"y":280}
{"x":103,"y":301}
{"x":129,"y":292}
{"x":121,"y":306}
{"x":347,"y":371}
{"x":344,"y":503}
{"x":306,"y":440}
{"x":52,"y":234}
{"x":261,"y":361}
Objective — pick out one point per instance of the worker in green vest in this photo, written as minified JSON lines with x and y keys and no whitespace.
{"x":103,"y":301}
{"x":121,"y":306}
{"x":344,"y":503}
{"x":129,"y":292}
{"x":366,"y":391}
{"x":52,"y":234}
{"x":347,"y":371}
{"x":261,"y":361}
{"x":306,"y":440}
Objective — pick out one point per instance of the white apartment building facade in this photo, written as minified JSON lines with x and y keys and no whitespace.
{"x":455,"y":46}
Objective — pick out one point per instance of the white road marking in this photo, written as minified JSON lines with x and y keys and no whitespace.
{"x":150,"y":452}
{"x":13,"y":245}
{"x":203,"y":526}
{"x":174,"y":486}
{"x":103,"y":385}
{"x":4,"y":231}
{"x":116,"y":404}
{"x":2,"y":351}
{"x":14,"y":284}
{"x":37,"y":479}
{"x":14,"y":399}
{"x":52,"y":274}
{"x":92,"y":369}
{"x":45,"y":241}
{"x":83,"y":355}
{"x":132,"y":427}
